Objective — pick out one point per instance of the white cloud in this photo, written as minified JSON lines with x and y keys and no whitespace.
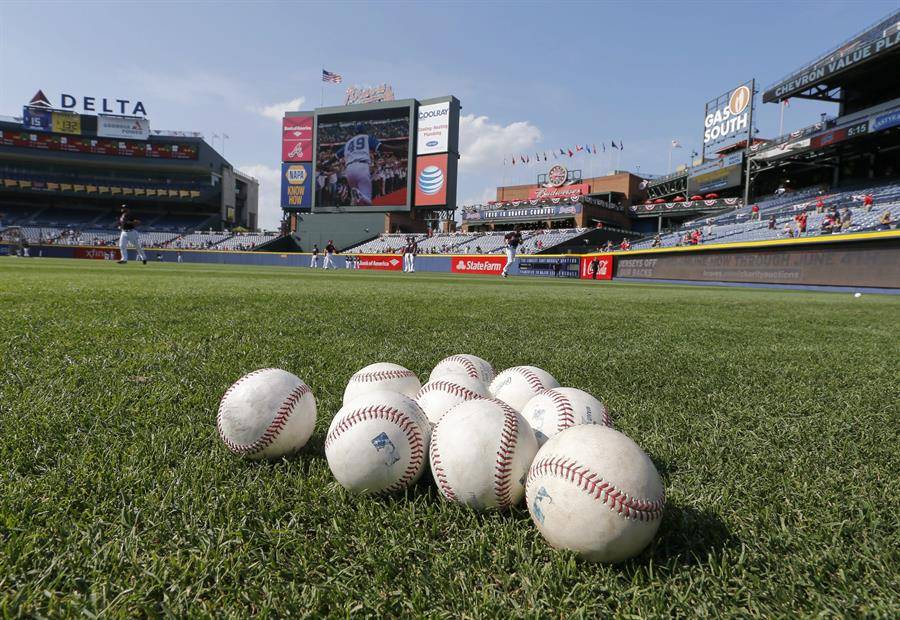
{"x":483,"y":143}
{"x":269,"y":193}
{"x":276,"y":110}
{"x":192,"y":88}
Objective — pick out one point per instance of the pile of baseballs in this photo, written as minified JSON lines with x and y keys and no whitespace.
{"x":488,"y":441}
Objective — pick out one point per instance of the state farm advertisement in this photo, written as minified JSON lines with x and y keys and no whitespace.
{"x":296,"y":138}
{"x":603,"y":267}
{"x":381,"y":262}
{"x":566,"y":191}
{"x":484,"y":265}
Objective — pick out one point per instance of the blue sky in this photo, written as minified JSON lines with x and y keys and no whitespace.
{"x":530,"y":76}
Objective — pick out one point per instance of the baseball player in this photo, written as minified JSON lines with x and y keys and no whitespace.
{"x":358,"y":153}
{"x":513,"y":239}
{"x":409,"y":255}
{"x":329,"y":256}
{"x":314,"y":261}
{"x":128,"y":235}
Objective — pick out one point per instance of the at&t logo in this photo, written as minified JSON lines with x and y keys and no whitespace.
{"x":431,"y":180}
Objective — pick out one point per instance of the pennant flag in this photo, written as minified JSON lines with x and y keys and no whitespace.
{"x":522,"y":157}
{"x":562,"y":152}
{"x":786,"y":103}
{"x":603,"y":144}
{"x":578,"y":148}
{"x":334,"y":78}
{"x":555,"y":156}
{"x":545,"y":156}
{"x":612,"y":144}
{"x":621,"y":145}
{"x":514,"y":160}
{"x":571,"y":153}
{"x":595,"y":149}
{"x":587,"y":148}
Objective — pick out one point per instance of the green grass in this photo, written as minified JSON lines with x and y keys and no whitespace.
{"x":771,"y":415}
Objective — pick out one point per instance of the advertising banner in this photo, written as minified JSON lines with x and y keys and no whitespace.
{"x":687,"y":205}
{"x":97,"y":146}
{"x":550,"y":266}
{"x":97,"y":253}
{"x":296,"y":186}
{"x":604,"y":267}
{"x":133,"y":127}
{"x":726,"y":119}
{"x":64,"y":122}
{"x":717,"y":174}
{"x":297,"y":138}
{"x":525,"y":213}
{"x":565,"y":191}
{"x":37,"y":120}
{"x":434,"y":129}
{"x":381,"y":262}
{"x":891,"y":119}
{"x":483,"y":265}
{"x":431,"y":180}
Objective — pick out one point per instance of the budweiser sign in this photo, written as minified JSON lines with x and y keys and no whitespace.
{"x":566,"y":191}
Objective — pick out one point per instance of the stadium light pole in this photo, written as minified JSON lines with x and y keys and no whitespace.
{"x":747,"y":146}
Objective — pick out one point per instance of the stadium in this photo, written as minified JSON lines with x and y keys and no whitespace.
{"x":681,"y":402}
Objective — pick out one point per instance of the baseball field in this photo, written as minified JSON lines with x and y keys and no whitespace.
{"x":772,"y":417}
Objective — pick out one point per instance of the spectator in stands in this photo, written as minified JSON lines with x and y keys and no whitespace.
{"x":801,"y":223}
{"x":820,"y":205}
{"x":625,"y":245}
{"x":788,"y":230}
{"x":657,"y":241}
{"x":609,"y":246}
{"x":771,"y":222}
{"x":836,"y":224}
{"x":885,"y":222}
{"x":781,"y":190}
{"x":846,"y":218}
{"x":827,"y":224}
{"x":867,"y":202}
{"x":754,"y":212}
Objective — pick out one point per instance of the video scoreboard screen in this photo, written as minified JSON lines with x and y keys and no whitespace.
{"x":378,"y":157}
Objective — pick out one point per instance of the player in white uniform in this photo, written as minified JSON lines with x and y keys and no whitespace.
{"x":358,"y":153}
{"x":129,"y":235}
{"x":329,"y":256}
{"x":513,"y":239}
{"x":314,"y":261}
{"x":409,"y":255}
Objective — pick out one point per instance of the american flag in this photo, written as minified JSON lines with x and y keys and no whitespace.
{"x":328,"y":76}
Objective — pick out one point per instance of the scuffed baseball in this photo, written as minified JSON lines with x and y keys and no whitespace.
{"x":439,"y":396}
{"x":557,"y":409}
{"x":593,"y":490}
{"x":382,"y":376}
{"x":378,"y":443}
{"x":480,"y":453}
{"x":266,"y":414}
{"x":464,"y":364}
{"x":517,"y":385}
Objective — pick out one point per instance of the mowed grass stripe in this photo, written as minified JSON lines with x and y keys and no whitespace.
{"x":771,"y":415}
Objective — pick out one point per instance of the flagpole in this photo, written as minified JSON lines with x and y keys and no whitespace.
{"x":669,"y":171}
{"x":781,"y":122}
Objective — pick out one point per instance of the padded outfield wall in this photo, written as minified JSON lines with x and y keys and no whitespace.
{"x":856,"y":260}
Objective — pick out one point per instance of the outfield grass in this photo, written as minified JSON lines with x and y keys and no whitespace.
{"x":772,"y":417}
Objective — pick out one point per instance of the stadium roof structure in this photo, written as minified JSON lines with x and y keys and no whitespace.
{"x":869,"y":53}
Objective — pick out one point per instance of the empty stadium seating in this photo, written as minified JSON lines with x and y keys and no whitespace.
{"x":533,"y":241}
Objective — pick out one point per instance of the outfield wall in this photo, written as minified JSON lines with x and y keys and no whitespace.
{"x":860,"y":260}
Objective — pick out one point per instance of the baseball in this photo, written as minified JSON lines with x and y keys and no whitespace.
{"x":555,"y":410}
{"x":470,"y":366}
{"x":382,"y":376}
{"x":439,"y":396}
{"x":517,"y":385}
{"x":266,"y":414}
{"x":378,"y":443}
{"x":857,"y":295}
{"x":480,"y":453}
{"x":593,"y":490}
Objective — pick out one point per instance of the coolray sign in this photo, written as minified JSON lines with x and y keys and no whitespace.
{"x":604,"y":267}
{"x":431,"y":180}
{"x":297,"y":138}
{"x":385,"y":262}
{"x":851,"y":55}
{"x":434,"y":129}
{"x":525,"y":213}
{"x":726,"y":119}
{"x":567,"y":191}
{"x":296,"y":186}
{"x":484,"y":265}
{"x":133,"y":127}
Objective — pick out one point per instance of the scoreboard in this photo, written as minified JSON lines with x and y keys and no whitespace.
{"x":379,"y":157}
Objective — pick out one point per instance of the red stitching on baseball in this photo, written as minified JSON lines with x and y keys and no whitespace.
{"x":565,"y":415}
{"x":591,"y":483}
{"x":403,"y":422}
{"x":380,"y":375}
{"x":446,"y":386}
{"x":437,"y":468}
{"x":278,"y":422}
{"x":471,"y":368}
{"x":508,"y":439}
{"x":532,"y":378}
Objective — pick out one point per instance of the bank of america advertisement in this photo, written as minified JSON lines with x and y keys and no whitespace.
{"x":297,"y":138}
{"x":433,"y":135}
{"x":296,"y":186}
{"x":132,"y":127}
